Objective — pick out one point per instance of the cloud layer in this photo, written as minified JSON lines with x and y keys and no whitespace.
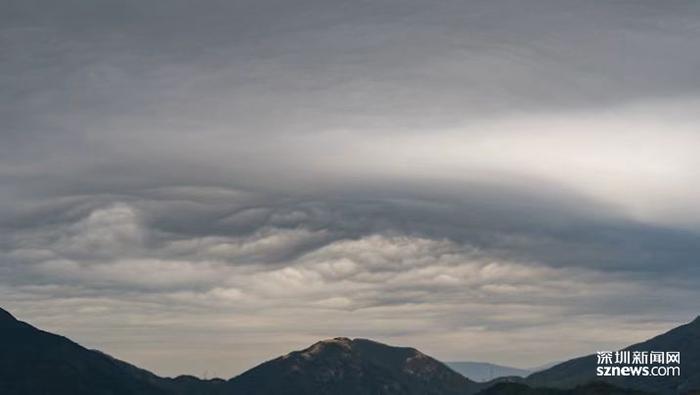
{"x":199,"y":187}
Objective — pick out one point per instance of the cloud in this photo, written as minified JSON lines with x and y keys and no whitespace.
{"x":109,"y":231}
{"x":381,"y":283}
{"x":144,"y":273}
{"x":212,"y":184}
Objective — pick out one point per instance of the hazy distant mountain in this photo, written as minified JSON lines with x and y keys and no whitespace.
{"x":359,"y":366}
{"x":484,"y":371}
{"x":685,"y":338}
{"x":34,"y":362}
{"x":543,"y":367}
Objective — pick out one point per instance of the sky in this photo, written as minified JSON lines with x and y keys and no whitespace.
{"x":200,"y":186}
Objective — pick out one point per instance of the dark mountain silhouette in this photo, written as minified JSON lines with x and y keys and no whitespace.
{"x":343,"y":366}
{"x":34,"y":362}
{"x":685,"y":338}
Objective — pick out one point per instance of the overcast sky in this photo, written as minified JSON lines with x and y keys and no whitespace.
{"x":199,"y":186}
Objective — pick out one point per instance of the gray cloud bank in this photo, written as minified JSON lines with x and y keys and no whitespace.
{"x":200,"y":186}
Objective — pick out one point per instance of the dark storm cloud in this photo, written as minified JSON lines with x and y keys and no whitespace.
{"x":560,"y":230}
{"x":335,"y":62}
{"x":323,"y":163}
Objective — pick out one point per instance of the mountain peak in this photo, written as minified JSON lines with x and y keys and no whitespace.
{"x":346,"y":366}
{"x":342,"y":344}
{"x":341,"y":341}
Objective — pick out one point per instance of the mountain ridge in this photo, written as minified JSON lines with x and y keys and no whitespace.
{"x":6,"y":317}
{"x":684,"y":338}
{"x":350,"y":366}
{"x":33,"y":361}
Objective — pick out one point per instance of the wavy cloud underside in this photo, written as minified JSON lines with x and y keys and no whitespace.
{"x":198,"y":187}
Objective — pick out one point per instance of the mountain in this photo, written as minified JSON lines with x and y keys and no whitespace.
{"x":36,"y":362}
{"x":545,"y":366}
{"x":484,"y":371}
{"x":343,"y":366}
{"x":685,"y":338}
